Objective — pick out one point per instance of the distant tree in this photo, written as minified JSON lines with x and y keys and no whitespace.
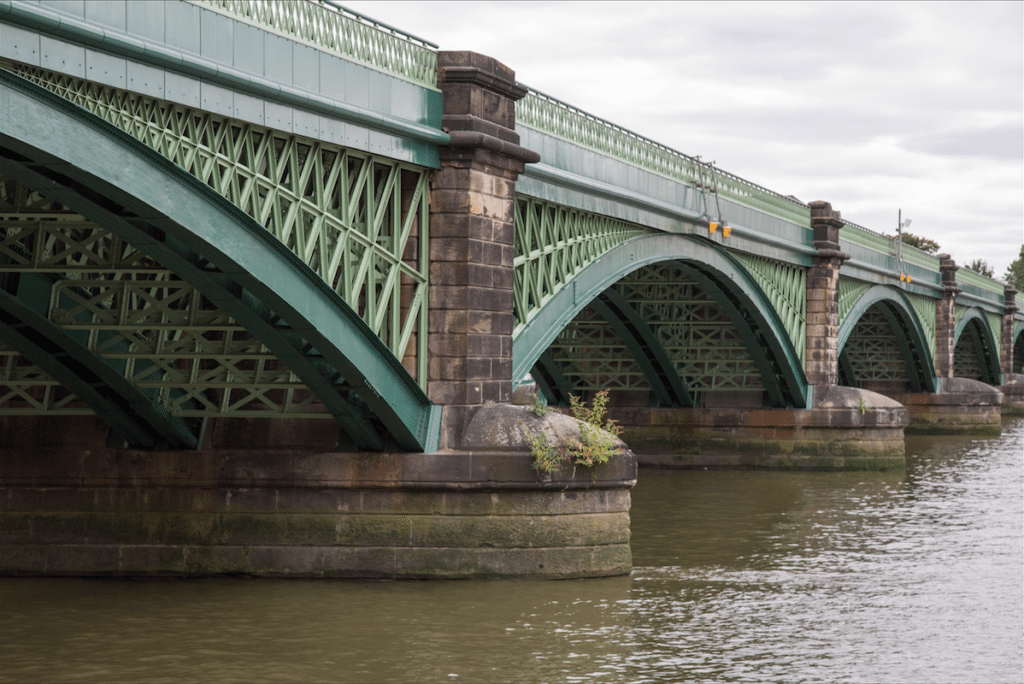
{"x":981,"y":266}
{"x":922,"y":243}
{"x":1015,"y":272}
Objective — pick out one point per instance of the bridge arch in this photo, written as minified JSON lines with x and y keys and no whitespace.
{"x":893,"y":307}
{"x":1018,"y":348}
{"x":717,"y":272}
{"x":117,"y":182}
{"x":975,"y":348}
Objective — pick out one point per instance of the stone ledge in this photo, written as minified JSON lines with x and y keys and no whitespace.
{"x":381,"y":562}
{"x":476,"y":469}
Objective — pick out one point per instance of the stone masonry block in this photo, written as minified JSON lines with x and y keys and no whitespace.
{"x":448,"y":321}
{"x":449,"y":297}
{"x":489,"y":299}
{"x":450,"y":273}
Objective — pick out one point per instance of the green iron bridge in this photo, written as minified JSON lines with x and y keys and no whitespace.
{"x":269,"y":271}
{"x":220,"y":210}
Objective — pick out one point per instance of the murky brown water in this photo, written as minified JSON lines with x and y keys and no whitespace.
{"x":740,"y":576}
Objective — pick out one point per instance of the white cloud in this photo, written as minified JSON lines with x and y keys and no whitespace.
{"x":871,"y":106}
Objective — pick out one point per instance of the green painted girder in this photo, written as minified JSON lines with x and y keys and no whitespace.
{"x":112,"y":179}
{"x":24,"y":301}
{"x":975,"y":323}
{"x":748,"y":328}
{"x":902,"y":317}
{"x":666,"y":385}
{"x":139,"y":421}
{"x":1018,"y":348}
{"x":550,"y":380}
{"x":731,"y":285}
{"x":847,"y":375}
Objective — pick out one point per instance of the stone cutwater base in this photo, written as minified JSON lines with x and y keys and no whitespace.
{"x":848,"y":429}
{"x":962,"y":407}
{"x":1013,"y":395}
{"x":460,"y":514}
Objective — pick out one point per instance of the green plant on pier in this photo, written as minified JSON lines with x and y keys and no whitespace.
{"x":861,"y":406}
{"x":597,"y":441}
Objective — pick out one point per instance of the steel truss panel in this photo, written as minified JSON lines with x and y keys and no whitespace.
{"x":885,"y":306}
{"x":716,"y":272}
{"x":975,"y":352}
{"x":785,"y":285}
{"x":873,"y":351}
{"x":166,"y":338}
{"x":591,"y":356}
{"x":552,"y":245}
{"x":359,"y":221}
{"x":184,"y":226}
{"x":701,"y":340}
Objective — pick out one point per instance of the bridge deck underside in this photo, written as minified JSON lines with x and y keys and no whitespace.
{"x":704,"y":351}
{"x":178,"y":349}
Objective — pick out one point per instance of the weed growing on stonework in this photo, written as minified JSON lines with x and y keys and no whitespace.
{"x":540,"y":407}
{"x":596,"y":443}
{"x":861,"y":405}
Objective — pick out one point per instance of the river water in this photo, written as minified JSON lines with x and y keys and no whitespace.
{"x":739,"y":577}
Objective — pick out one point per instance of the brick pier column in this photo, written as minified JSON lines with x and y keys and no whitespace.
{"x":1006,"y":334}
{"x":472,"y":209}
{"x":945,"y":318}
{"x":823,"y":296}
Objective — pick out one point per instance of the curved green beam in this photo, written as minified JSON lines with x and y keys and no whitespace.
{"x":749,"y":330}
{"x":140,"y":422}
{"x":847,"y":375}
{"x":984,"y":342}
{"x":550,"y":380}
{"x":25,"y":327}
{"x":116,"y":181}
{"x":904,"y":321}
{"x":1017,"y":348}
{"x":697,"y":253}
{"x":666,"y":385}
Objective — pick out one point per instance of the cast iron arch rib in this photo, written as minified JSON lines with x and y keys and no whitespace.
{"x":550,"y":380}
{"x":900,"y":314}
{"x":105,"y":175}
{"x":667,"y":386}
{"x":974,"y":323}
{"x":715,"y":266}
{"x":108,"y":394}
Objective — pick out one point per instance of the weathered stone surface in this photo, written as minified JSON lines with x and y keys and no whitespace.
{"x":961,"y":407}
{"x":479,"y":513}
{"x":1013,"y":395}
{"x":847,"y":429}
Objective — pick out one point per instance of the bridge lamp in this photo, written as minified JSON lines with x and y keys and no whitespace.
{"x":712,"y":227}
{"x":726,"y":230}
{"x":903,"y":277}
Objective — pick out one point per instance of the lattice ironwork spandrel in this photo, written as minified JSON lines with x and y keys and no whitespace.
{"x":552,"y":245}
{"x":699,"y":338}
{"x":359,"y":221}
{"x":169,"y":341}
{"x":874,"y":351}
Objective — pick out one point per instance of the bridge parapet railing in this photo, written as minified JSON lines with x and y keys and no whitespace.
{"x":333,"y":28}
{"x":979,"y":289}
{"x":562,"y":120}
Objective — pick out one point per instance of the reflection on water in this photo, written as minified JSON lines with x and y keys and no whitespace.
{"x":740,"y":576}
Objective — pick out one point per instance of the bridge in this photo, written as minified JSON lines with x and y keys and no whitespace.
{"x":269,"y":272}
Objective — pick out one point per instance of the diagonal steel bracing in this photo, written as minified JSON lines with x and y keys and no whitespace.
{"x":357,"y":220}
{"x":227,"y":261}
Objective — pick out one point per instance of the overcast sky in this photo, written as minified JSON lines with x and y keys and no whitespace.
{"x":871,"y":106}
